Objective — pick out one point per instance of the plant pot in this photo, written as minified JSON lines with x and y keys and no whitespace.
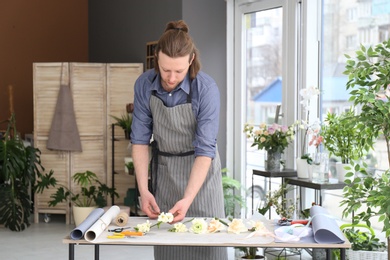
{"x":256,"y":257}
{"x":81,"y":213}
{"x":302,"y":168}
{"x":341,"y":171}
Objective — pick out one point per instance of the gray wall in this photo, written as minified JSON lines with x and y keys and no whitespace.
{"x":119,"y":30}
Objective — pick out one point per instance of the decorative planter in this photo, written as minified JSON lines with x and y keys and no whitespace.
{"x":302,"y":168}
{"x":365,"y":255}
{"x":81,"y":213}
{"x":273,"y":161}
{"x":341,"y":171}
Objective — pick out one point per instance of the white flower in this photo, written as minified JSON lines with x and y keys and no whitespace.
{"x":144,"y":227}
{"x":165,"y":217}
{"x":178,"y":228}
{"x":257,"y":225}
{"x":199,"y":226}
{"x":215,"y":226}
{"x":237,"y":226}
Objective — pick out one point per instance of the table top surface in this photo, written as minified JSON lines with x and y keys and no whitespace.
{"x":161,"y":236}
{"x":333,"y":184}
{"x":273,"y":174}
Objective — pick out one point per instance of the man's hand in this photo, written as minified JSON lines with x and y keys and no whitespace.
{"x":149,"y":205}
{"x":179,"y":211}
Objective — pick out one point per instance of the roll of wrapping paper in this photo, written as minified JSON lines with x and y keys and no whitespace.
{"x":101,"y":224}
{"x":80,"y":230}
{"x":121,"y":219}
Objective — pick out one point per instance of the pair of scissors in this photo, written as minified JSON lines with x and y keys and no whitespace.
{"x":289,"y":222}
{"x":118,"y":230}
{"x":125,"y":234}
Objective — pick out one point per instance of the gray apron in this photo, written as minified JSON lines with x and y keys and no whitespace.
{"x":174,"y":131}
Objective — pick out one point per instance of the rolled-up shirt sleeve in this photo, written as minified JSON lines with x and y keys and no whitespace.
{"x":208,"y":106}
{"x":142,"y":125}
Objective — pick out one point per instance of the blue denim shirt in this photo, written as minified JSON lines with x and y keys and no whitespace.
{"x":205,"y":105}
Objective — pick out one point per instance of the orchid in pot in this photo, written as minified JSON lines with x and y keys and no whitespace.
{"x":308,"y":95}
{"x":273,"y":138}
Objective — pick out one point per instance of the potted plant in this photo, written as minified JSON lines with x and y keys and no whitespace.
{"x":304,"y":161}
{"x":362,"y":240}
{"x":125,"y":123}
{"x":249,"y":253}
{"x":231,"y":194}
{"x":93,"y":193}
{"x":369,"y":84}
{"x":20,"y":165}
{"x":129,"y":167}
{"x":345,"y":137}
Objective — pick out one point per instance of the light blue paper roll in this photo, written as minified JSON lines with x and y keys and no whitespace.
{"x":80,"y":230}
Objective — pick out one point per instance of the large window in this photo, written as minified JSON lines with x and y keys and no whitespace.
{"x":298,"y":43}
{"x":345,"y":25}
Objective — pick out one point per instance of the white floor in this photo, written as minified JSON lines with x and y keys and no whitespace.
{"x":43,"y":241}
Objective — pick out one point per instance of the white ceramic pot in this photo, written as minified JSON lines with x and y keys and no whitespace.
{"x":341,"y":171}
{"x":81,"y":213}
{"x":302,"y":168}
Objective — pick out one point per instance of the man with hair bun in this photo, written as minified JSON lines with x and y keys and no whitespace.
{"x":177,"y":106}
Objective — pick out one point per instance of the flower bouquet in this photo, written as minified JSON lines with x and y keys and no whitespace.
{"x":273,"y":138}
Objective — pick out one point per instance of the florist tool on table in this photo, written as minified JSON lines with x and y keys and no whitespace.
{"x":289,"y":222}
{"x":117,"y":230}
{"x":125,"y":234}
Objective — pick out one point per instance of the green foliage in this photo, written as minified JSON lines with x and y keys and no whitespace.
{"x":308,"y":158}
{"x":249,"y":252}
{"x":369,"y":80}
{"x":19,"y":167}
{"x":130,"y":166}
{"x":124,"y":122}
{"x":232,"y":194}
{"x":345,"y":136}
{"x":362,"y":240}
{"x":92,"y":193}
{"x":277,"y":199}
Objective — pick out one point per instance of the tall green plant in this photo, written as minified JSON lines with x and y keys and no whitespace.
{"x":345,"y":136}
{"x":19,"y":168}
{"x":369,"y":80}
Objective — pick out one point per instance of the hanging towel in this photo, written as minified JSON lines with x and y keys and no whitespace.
{"x":64,"y":134}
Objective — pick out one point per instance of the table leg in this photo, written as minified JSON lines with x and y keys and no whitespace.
{"x":269,"y":190}
{"x":342,"y":253}
{"x":253,"y":204}
{"x":96,"y":252}
{"x":71,"y":252}
{"x":328,"y":254}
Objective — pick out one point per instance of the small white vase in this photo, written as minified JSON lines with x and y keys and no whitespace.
{"x":341,"y":171}
{"x":302,"y":168}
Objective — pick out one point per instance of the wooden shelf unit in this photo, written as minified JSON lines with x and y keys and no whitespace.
{"x":150,"y":47}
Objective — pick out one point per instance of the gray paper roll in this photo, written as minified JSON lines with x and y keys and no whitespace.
{"x":79,"y":231}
